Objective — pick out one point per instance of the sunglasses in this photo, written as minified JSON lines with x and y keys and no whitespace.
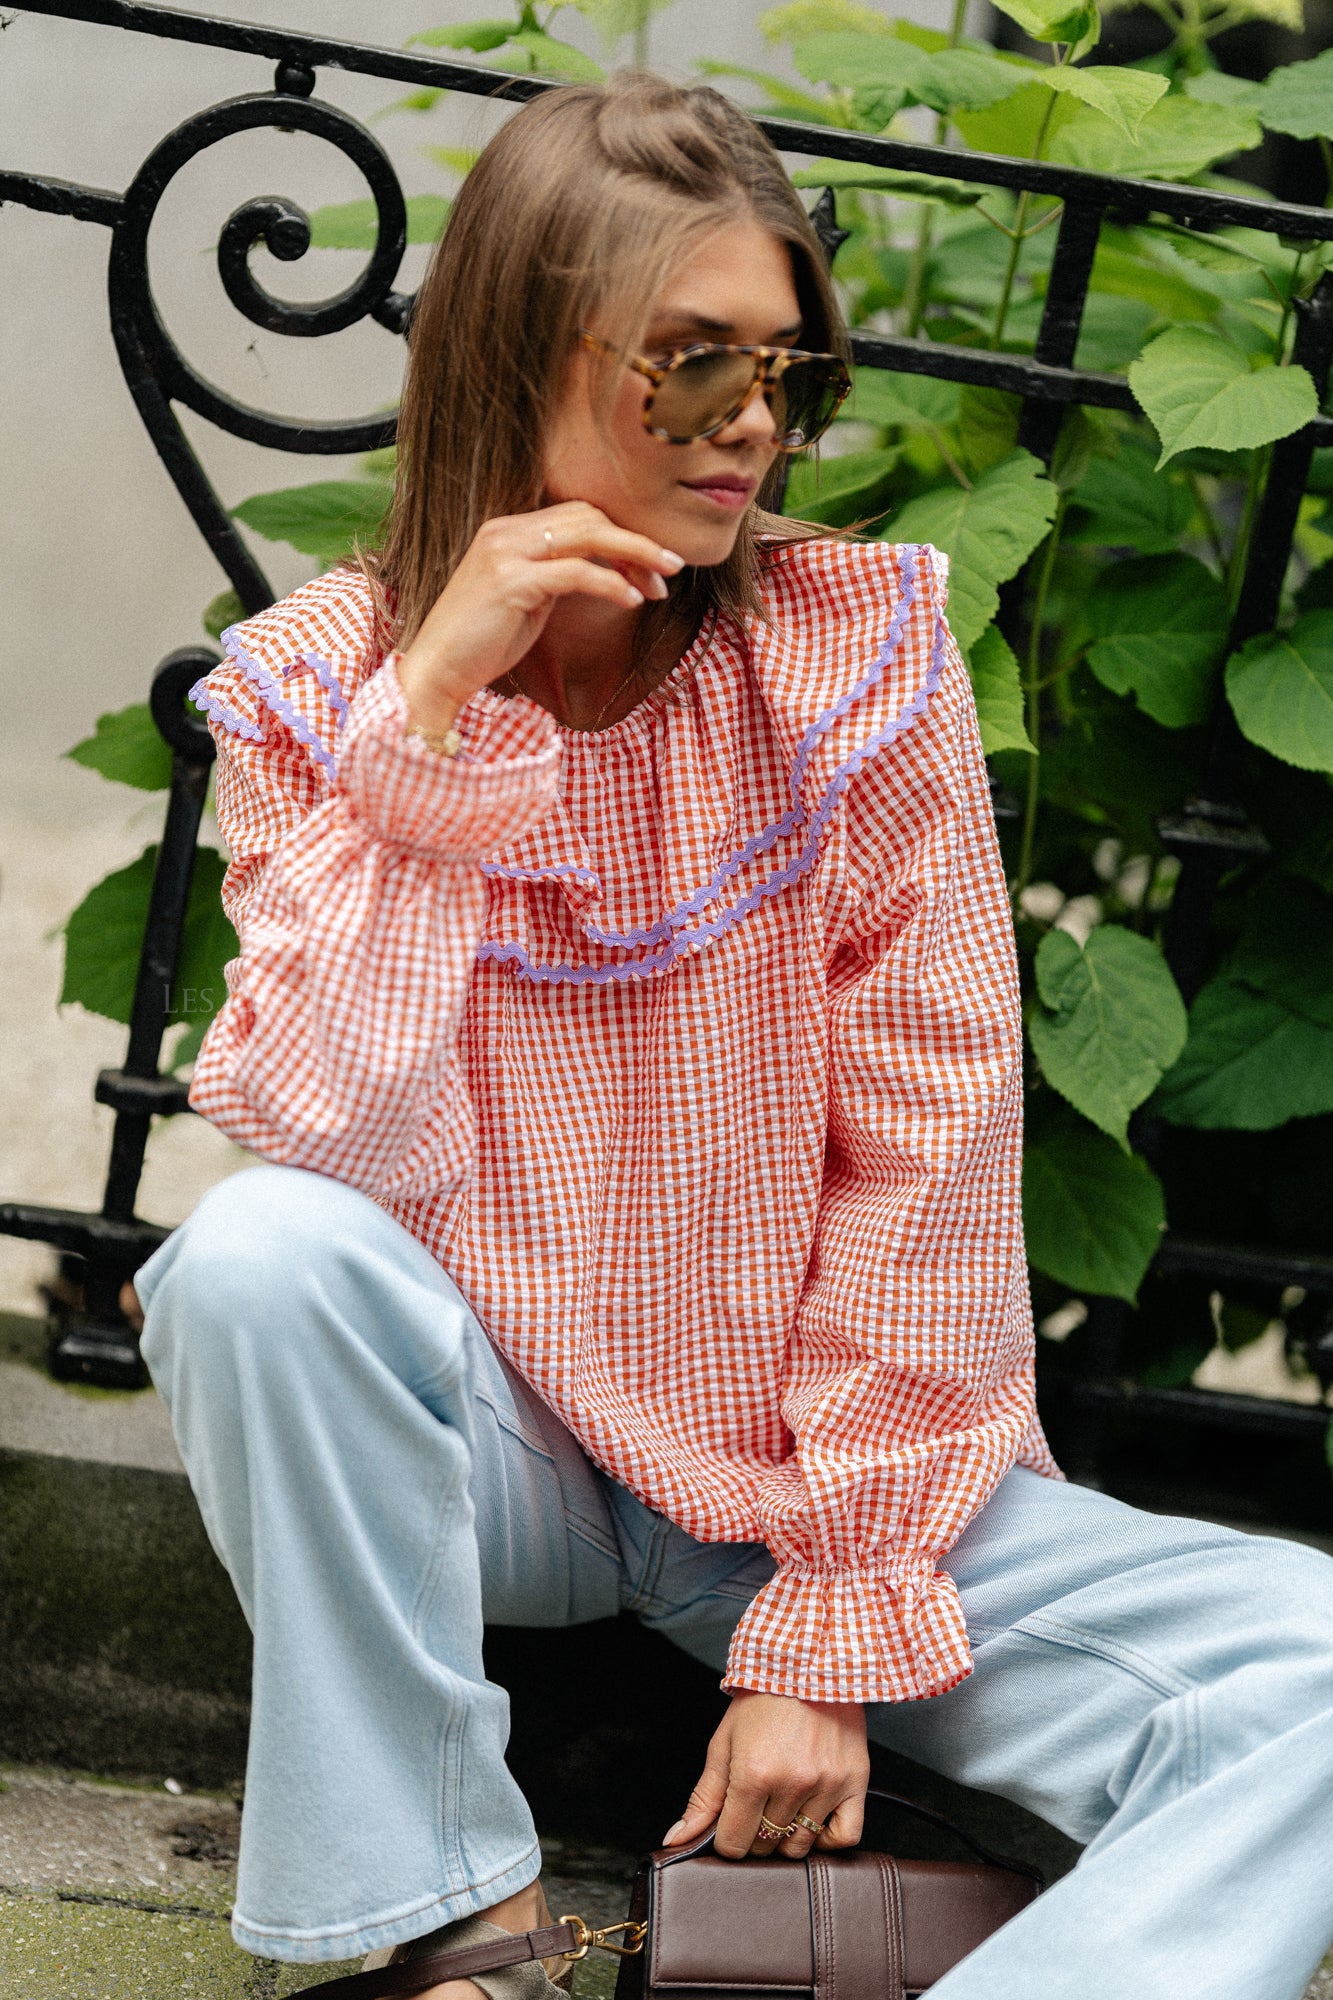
{"x":698,"y":391}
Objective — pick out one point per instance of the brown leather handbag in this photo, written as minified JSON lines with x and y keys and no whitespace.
{"x":851,"y":1925}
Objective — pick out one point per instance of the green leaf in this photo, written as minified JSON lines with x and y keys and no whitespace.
{"x":458,"y":160}
{"x":998,"y":689}
{"x":1250,"y":1063}
{"x":840,"y":491}
{"x":782,"y":96}
{"x":1048,"y":20}
{"x":1125,"y":96}
{"x":479,"y":35}
{"x":1298,"y":98}
{"x":127,"y":749}
{"x":354,"y":225}
{"x":326,"y":519}
{"x":1214,"y":86}
{"x":1197,"y":389}
{"x":1127,"y":503}
{"x":987,"y":425}
{"x":1210,"y":253}
{"x":1021,"y":121}
{"x":888,"y":180}
{"x":416,"y":100}
{"x":1159,"y":624}
{"x":1123,"y":274}
{"x":881,"y":396}
{"x":801,"y":18}
{"x":221,"y":611}
{"x":964,"y":77}
{"x":1175,"y":140}
{"x":531,"y":52}
{"x":988,"y":531}
{"x":1280,"y":687}
{"x":104,"y":936}
{"x":1092,"y":1214}
{"x":1115,"y":1022}
{"x":1285,"y":949}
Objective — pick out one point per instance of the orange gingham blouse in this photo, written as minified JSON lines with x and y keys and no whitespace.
{"x":690,"y":1048}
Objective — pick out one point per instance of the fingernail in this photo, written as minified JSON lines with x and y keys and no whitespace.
{"x":635,"y":596}
{"x":671,"y":561}
{"x":660,"y":587}
{"x":673,"y":1833}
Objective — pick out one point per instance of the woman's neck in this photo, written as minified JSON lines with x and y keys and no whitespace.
{"x":594,"y":662}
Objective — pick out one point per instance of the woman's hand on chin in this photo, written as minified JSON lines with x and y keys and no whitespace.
{"x":774,"y":1757}
{"x":496,"y":604}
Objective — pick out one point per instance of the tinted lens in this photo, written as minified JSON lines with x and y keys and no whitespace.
{"x":700,"y":393}
{"x":805,"y":398}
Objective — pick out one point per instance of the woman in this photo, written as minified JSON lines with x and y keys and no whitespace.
{"x":626,"y":1008}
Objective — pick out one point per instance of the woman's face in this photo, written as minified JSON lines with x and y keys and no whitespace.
{"x":736,"y":287}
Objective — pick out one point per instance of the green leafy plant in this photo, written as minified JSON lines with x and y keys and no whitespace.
{"x":1120,"y":567}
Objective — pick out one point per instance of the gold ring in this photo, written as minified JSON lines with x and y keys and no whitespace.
{"x":810,"y":1825}
{"x":767,"y":1830}
{"x":549,"y":540}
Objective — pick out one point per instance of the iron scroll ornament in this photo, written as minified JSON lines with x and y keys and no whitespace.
{"x":156,"y":371}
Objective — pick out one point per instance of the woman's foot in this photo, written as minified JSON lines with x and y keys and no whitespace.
{"x":526,"y":1911}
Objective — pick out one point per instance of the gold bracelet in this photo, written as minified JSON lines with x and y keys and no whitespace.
{"x":447,"y":745}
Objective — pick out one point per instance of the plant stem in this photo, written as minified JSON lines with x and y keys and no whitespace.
{"x":1210,"y":527}
{"x":1016,"y":243}
{"x":1032,"y":685}
{"x":1240,"y":550}
{"x":914,"y":292}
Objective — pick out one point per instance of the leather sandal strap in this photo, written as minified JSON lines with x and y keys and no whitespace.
{"x":414,"y":1975}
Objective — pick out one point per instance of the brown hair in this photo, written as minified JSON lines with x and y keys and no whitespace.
{"x":580,"y":206}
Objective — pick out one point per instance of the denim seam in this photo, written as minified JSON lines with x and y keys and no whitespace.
{"x":1039,"y":1626}
{"x":430,"y":1581}
{"x":508,"y":1420}
{"x":643,"y":1600}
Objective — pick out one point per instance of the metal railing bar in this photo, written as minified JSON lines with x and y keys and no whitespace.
{"x":1243,"y":1263}
{"x":1220,"y":1409}
{"x":294,"y":44}
{"x":1202,"y":208}
{"x":56,"y":197}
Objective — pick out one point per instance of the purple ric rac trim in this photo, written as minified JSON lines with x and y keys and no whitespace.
{"x":695,"y":904}
{"x":573,"y":869}
{"x":217,"y":711}
{"x":266,"y":687}
{"x":781,"y":878}
{"x":327,"y":679}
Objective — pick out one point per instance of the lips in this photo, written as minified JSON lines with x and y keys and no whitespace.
{"x":724,"y":489}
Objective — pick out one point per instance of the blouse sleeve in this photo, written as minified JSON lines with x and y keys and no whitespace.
{"x":359,"y":902}
{"x":908,"y":1389}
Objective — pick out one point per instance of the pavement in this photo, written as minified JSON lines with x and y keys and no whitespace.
{"x":122,"y":1892}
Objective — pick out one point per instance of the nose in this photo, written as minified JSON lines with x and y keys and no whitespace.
{"x":753,"y":423}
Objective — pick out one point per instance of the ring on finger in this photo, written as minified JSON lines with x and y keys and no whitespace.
{"x":767,"y":1830}
{"x":549,"y":540}
{"x":810,"y":1825}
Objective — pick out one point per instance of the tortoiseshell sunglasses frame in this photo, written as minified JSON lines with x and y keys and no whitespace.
{"x":771,"y":364}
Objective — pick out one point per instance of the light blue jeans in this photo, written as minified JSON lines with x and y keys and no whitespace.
{"x":378,"y":1484}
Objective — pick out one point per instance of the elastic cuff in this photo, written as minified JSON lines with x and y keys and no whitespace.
{"x":503,"y":780}
{"x":859,"y":1635}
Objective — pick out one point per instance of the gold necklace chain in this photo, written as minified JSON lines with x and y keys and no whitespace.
{"x":636,"y":669}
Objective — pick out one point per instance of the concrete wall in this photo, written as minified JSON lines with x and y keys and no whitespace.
{"x":101,"y":570}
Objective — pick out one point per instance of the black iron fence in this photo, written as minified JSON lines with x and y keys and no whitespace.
{"x":1210,"y":831}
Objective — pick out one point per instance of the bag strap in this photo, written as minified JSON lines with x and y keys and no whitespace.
{"x":969,"y":1841}
{"x":414,"y":1975}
